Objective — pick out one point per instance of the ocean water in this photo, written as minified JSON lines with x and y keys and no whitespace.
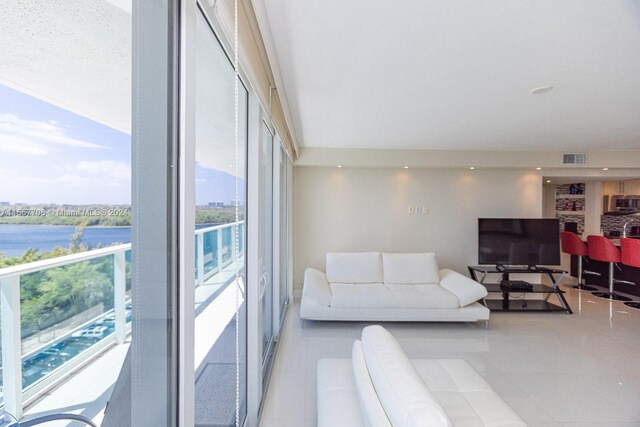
{"x":17,"y":238}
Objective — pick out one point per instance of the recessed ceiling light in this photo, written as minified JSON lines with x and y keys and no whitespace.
{"x":540,"y":90}
{"x":548,"y":181}
{"x":538,"y":169}
{"x":339,"y":166}
{"x":605,"y":169}
{"x":472,"y":167}
{"x":406,"y":167}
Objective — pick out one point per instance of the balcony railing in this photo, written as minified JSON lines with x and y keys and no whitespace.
{"x":42,"y":344}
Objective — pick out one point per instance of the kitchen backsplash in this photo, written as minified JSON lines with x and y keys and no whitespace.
{"x":614,"y":223}
{"x":570,"y":202}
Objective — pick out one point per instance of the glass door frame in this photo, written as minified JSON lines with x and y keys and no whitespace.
{"x":280,"y":159}
{"x":161,"y":391}
{"x":267,"y":136}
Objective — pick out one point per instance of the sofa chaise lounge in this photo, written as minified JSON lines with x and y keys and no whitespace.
{"x":375,"y":286}
{"x":381,"y":387}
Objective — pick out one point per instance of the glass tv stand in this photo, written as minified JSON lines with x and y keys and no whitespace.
{"x":513,"y":299}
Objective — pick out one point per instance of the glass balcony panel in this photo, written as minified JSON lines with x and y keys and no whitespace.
{"x":210,"y":239}
{"x":64,"y":311}
{"x":198,"y":273}
{"x":227,"y":248}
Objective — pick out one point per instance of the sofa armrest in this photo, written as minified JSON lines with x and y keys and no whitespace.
{"x":316,"y":287}
{"x":467,"y":290}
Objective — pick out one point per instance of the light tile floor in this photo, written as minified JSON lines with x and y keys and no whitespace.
{"x":554,"y":369}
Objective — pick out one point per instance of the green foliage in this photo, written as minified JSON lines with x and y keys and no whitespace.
{"x":30,"y":255}
{"x":76,"y":245}
{"x":53,"y":295}
{"x":50,"y":296}
{"x":222,"y":216}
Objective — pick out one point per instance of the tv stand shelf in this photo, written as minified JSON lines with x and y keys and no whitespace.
{"x":521,"y":304}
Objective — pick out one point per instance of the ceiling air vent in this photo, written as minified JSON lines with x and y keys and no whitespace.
{"x":574,"y":159}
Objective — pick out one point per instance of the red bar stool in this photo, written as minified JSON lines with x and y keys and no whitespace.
{"x":603,"y":249}
{"x":630,"y":249}
{"x":572,"y":244}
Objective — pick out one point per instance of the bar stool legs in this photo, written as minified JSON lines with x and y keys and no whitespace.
{"x":611,"y":295}
{"x":581,"y":286}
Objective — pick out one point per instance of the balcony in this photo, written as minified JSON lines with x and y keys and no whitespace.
{"x":44,"y":342}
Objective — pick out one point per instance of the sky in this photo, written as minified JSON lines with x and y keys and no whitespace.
{"x":50,"y":155}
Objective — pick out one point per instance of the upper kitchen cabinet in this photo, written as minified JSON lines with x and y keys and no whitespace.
{"x":624,"y":187}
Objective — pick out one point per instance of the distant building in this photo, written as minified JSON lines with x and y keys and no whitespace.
{"x":5,"y":204}
{"x":216,"y":204}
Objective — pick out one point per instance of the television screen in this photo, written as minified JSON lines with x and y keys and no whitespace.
{"x":513,"y":241}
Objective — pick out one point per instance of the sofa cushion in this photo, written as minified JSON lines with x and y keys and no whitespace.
{"x":354,"y":267}
{"x":405,"y":398}
{"x":372,"y":411}
{"x":465,"y":395}
{"x":466,"y":290}
{"x":316,"y":287}
{"x":338,"y":404}
{"x":383,"y":295}
{"x":410,"y":268}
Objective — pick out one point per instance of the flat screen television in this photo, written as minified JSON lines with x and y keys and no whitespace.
{"x":516,"y":241}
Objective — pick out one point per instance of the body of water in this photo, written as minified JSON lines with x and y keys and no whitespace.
{"x":17,"y":238}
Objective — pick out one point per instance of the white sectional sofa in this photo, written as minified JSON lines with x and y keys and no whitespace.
{"x":375,"y":286}
{"x":381,"y":387}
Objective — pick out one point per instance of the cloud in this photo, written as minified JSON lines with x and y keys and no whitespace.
{"x":35,"y":137}
{"x":14,"y":144}
{"x":105,"y":169}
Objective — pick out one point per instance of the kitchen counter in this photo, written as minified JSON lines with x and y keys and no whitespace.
{"x":616,"y":239}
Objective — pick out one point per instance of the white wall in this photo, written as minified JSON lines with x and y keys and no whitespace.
{"x":592,"y":208}
{"x":549,"y":201}
{"x":366,"y":209}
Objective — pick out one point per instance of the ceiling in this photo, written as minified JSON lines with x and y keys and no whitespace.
{"x":457,"y":75}
{"x":76,"y":55}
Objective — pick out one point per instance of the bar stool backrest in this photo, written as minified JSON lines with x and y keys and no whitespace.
{"x":603,"y":249}
{"x":630,"y":249}
{"x":572,"y":244}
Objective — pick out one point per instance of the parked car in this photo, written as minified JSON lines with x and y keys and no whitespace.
{"x":109,"y":319}
{"x":93,"y":332}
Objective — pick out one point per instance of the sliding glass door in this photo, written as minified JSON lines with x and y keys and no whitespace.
{"x":265,"y":255}
{"x":220,"y":349}
{"x":282,"y":241}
